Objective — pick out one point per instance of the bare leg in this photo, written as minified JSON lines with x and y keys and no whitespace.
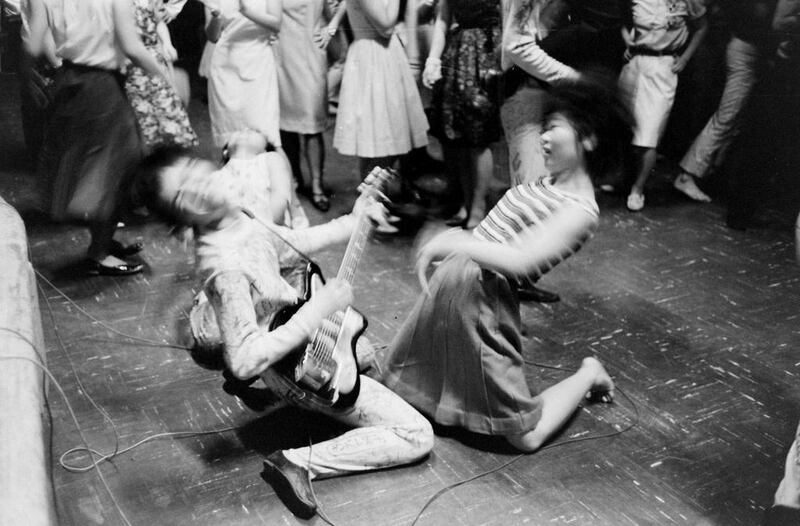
{"x":314,"y":155}
{"x":561,"y":400}
{"x":647,"y":161}
{"x":685,"y":182}
{"x":482,"y":172}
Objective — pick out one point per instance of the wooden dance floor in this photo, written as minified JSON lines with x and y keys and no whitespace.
{"x":698,"y":324}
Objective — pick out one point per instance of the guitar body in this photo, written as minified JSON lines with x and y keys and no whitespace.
{"x":327,"y":368}
{"x":325,"y":375}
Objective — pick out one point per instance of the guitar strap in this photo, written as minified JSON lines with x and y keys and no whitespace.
{"x":277,"y":234}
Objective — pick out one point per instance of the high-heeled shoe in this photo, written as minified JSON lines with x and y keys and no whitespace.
{"x":95,"y":268}
{"x":320,"y":201}
{"x":118,"y":250}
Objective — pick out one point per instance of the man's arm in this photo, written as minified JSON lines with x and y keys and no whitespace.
{"x":250,"y":349}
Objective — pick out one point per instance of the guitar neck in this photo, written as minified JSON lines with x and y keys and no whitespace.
{"x":355,"y":248}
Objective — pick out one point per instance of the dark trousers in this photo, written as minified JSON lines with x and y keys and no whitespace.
{"x":766,"y":153}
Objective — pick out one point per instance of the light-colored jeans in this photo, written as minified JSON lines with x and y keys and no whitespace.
{"x":709,"y":148}
{"x":386,"y":432}
{"x":521,"y":115}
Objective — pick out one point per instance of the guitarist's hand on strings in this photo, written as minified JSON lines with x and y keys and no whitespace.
{"x":368,"y":204}
{"x":334,"y":296}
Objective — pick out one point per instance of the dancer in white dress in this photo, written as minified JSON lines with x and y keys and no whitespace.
{"x":380,"y":111}
{"x":242,"y":81}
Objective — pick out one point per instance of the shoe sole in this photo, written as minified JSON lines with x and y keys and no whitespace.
{"x":285,"y":492}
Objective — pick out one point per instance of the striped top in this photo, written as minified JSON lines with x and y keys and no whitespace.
{"x":529,"y":206}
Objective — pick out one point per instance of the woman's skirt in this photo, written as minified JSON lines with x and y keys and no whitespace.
{"x":457,"y":358}
{"x":91,"y":143}
{"x":380,"y":111}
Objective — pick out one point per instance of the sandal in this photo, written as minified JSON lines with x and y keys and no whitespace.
{"x":320,"y":201}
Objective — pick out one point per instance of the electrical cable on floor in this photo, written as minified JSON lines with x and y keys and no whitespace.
{"x":104,"y":324}
{"x":504,"y":465}
{"x":320,"y":511}
{"x":101,"y":457}
{"x":185,"y":434}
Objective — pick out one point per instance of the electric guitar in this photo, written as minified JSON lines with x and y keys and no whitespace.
{"x":327,"y":367}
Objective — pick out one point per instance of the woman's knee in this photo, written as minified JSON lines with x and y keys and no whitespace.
{"x":526,"y":442}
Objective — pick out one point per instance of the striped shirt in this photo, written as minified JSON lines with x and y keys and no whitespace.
{"x":529,"y":206}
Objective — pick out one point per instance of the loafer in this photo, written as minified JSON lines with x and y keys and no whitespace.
{"x":118,"y":250}
{"x":531,"y":293}
{"x":291,"y":484}
{"x":95,"y":268}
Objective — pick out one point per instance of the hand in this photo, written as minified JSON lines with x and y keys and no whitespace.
{"x":334,"y":296}
{"x":439,"y":247}
{"x":170,"y":53}
{"x":372,"y":208}
{"x":432,"y":72}
{"x":323,"y":36}
{"x":627,"y":55}
{"x":679,"y":64}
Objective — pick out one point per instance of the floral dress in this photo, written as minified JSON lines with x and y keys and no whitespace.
{"x":465,"y":102}
{"x":160,"y":113}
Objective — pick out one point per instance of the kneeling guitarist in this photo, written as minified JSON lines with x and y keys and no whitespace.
{"x":240,"y":257}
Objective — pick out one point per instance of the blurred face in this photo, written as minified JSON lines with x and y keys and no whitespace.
{"x":561,"y":145}
{"x":191,"y":189}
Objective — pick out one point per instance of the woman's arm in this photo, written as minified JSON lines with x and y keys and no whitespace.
{"x":433,"y":64}
{"x":214,"y":25}
{"x":250,"y":349}
{"x":128,"y":38}
{"x":382,"y":14}
{"x":37,"y":19}
{"x":532,"y":251}
{"x":267,"y":16}
{"x":324,"y":37}
{"x":522,"y":49}
{"x":699,"y":30}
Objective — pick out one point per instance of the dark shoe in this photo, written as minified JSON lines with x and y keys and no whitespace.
{"x":291,"y":484}
{"x":321,"y":202}
{"x":95,"y":268}
{"x":118,"y":250}
{"x":531,"y":293}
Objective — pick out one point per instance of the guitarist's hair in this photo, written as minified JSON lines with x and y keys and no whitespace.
{"x":147,"y":182}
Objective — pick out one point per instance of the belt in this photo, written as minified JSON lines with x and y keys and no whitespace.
{"x":653,"y":53}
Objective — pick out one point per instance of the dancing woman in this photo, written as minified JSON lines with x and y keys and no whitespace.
{"x":242,"y":76}
{"x":91,"y":140}
{"x":380,"y":114}
{"x":458,"y":357}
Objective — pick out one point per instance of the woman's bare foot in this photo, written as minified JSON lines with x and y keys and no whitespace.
{"x":603,"y":386}
{"x":686,"y":184}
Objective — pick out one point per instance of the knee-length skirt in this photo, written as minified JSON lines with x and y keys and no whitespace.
{"x":457,"y":358}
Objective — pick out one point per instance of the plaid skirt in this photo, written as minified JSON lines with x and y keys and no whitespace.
{"x":90,"y":144}
{"x":457,"y":358}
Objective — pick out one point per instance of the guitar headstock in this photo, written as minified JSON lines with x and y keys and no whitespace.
{"x":376,"y":181}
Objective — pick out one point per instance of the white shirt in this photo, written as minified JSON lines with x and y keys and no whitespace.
{"x":83,"y":31}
